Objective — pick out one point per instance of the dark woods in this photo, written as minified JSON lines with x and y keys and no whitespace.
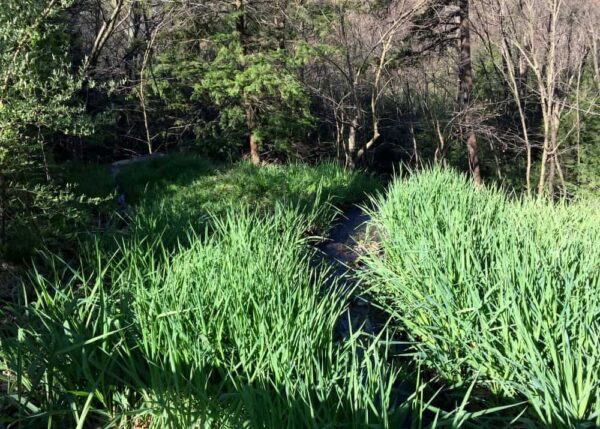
{"x":507,"y":90}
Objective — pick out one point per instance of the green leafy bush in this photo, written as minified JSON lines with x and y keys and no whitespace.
{"x":508,"y":289}
{"x":37,"y":106}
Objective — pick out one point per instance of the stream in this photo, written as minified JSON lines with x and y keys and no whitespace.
{"x":347,"y":241}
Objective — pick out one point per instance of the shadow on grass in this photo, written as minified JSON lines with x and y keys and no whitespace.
{"x":169,"y":196}
{"x":152,"y":176}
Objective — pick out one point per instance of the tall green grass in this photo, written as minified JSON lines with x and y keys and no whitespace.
{"x":231,"y":331}
{"x":504,"y":288}
{"x":209,"y":309}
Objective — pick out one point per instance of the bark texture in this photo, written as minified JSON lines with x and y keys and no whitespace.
{"x":465,"y":72}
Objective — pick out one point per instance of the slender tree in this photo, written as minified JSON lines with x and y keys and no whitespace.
{"x":465,"y":76}
{"x":248,"y":105}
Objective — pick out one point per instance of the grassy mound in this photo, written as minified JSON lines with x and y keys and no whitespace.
{"x":506,"y":289}
{"x":172,"y":193}
{"x":186,"y":180}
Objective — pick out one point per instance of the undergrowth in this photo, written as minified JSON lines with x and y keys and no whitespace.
{"x":209,"y":308}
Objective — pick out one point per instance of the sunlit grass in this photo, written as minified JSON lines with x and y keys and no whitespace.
{"x":232,"y":330}
{"x":221,"y":317}
{"x":507,"y":289}
{"x":185,"y":179}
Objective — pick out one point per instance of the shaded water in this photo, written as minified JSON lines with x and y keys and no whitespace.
{"x":347,"y":241}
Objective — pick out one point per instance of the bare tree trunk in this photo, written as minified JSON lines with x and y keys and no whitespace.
{"x":415,"y":148}
{"x":249,"y":109}
{"x":561,"y":176}
{"x":251,"y":123}
{"x":339,"y":136}
{"x":522,"y":82}
{"x":254,"y":154}
{"x":440,"y":151}
{"x":142,"y":95}
{"x":596,"y":61}
{"x":554,"y":162}
{"x":546,"y":148}
{"x":352,"y":144}
{"x":496,"y":160}
{"x":551,"y":172}
{"x":543,"y":162}
{"x":466,"y":87}
{"x":132,"y":56}
{"x":515,"y":77}
{"x":103,"y":35}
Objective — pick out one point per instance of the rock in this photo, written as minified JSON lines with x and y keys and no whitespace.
{"x":10,"y":282}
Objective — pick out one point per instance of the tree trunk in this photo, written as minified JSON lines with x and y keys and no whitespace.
{"x":250,"y":113}
{"x":133,"y":55}
{"x":103,"y":36}
{"x":251,"y":124}
{"x":554,"y":162}
{"x":254,"y":155}
{"x":148,"y":52}
{"x":543,"y":162}
{"x":596,"y":61}
{"x":352,"y":145}
{"x":473,"y":158}
{"x":551,"y":173}
{"x":440,"y":150}
{"x":415,"y":156}
{"x":465,"y":72}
